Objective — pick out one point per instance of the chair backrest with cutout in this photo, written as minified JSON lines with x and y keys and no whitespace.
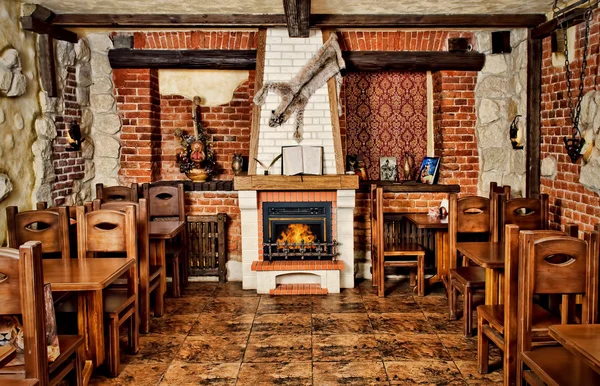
{"x":527,"y":213}
{"x":106,"y":230}
{"x":165,"y":201}
{"x":117,"y":193}
{"x":50,"y":227}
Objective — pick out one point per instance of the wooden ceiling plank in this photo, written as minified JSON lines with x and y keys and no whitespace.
{"x":30,"y":23}
{"x":316,"y":20}
{"x":297,"y":15}
{"x":413,"y":61}
{"x":189,"y":59}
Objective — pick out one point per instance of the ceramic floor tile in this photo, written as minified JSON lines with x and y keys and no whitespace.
{"x":349,"y":373}
{"x":284,"y":305}
{"x":214,"y":374}
{"x":278,"y":348}
{"x":133,"y":375}
{"x":172,"y":324}
{"x":441,"y":323}
{"x":239,"y":305}
{"x":400,"y":323}
{"x":330,"y":324}
{"x":155,"y":349}
{"x":233,"y":289}
{"x":465,"y":349}
{"x":337,"y":348}
{"x":222,"y":324}
{"x":393,"y":288}
{"x":408,"y":373}
{"x":259,"y":374}
{"x":199,"y":289}
{"x":292,"y":324}
{"x":338,"y":304}
{"x":472,"y":376}
{"x":189,"y":305}
{"x":433,"y":304}
{"x":413,"y":347}
{"x":398,"y":304}
{"x":213,"y":349}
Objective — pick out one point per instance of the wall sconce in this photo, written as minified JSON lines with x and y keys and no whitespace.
{"x":514,"y":134}
{"x":574,"y":144}
{"x":74,"y":137}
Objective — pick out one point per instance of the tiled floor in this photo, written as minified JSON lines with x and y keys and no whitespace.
{"x":222,"y":335}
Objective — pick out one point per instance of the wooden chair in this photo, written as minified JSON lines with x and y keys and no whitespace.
{"x":527,"y":213}
{"x":576,"y":273}
{"x":50,"y":227}
{"x":168,"y":202}
{"x":467,"y":216}
{"x":498,"y":323}
{"x":109,"y":231}
{"x":22,"y":294}
{"x":117,"y":193}
{"x":397,"y":256}
{"x":150,"y":276}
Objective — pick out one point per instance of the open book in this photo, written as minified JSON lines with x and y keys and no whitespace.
{"x":302,"y":160}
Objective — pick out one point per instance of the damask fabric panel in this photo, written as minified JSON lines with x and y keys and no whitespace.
{"x":386,"y":116}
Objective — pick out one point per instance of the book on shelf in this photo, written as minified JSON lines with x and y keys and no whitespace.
{"x":302,"y":160}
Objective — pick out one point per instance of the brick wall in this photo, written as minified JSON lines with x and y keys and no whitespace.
{"x":570,"y":201}
{"x":68,"y":165}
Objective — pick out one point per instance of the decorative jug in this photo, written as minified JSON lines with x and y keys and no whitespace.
{"x":237,"y":163}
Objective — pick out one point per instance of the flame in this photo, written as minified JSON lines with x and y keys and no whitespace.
{"x":296,"y":233}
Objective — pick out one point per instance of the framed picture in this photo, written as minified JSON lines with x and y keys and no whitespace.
{"x":387,"y":169}
{"x":428,"y":170}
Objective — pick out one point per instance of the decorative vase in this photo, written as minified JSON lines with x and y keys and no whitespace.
{"x":197,"y":175}
{"x":408,"y":166}
{"x":237,"y":163}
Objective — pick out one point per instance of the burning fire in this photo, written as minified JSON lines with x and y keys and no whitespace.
{"x":296,"y":233}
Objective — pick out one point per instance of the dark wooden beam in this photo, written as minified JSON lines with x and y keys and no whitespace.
{"x":573,"y":17}
{"x":318,"y":21}
{"x":429,"y":21}
{"x":534,"y":99}
{"x":46,"y":64}
{"x":190,"y":59}
{"x":413,"y":61}
{"x":38,"y":22}
{"x":297,"y":16}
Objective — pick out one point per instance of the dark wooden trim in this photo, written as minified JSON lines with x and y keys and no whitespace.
{"x":32,"y":24}
{"x":189,"y":59}
{"x":318,"y":21}
{"x":171,"y":20}
{"x":409,"y":187}
{"x":570,"y":18}
{"x":297,"y":16}
{"x":534,"y":98}
{"x":422,"y":21}
{"x":191,"y":186}
{"x":46,"y":63}
{"x":413,"y":61}
{"x":259,"y":74}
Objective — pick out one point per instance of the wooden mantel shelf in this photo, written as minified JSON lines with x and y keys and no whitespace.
{"x":277,"y":182}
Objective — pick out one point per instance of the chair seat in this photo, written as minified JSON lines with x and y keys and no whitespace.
{"x":116,"y":300}
{"x":408,"y":249}
{"x":494,"y":315}
{"x":468,"y":276}
{"x":18,"y":382}
{"x":558,"y":366}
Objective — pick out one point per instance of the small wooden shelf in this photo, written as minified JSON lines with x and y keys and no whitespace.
{"x":409,"y":187}
{"x":278,"y":182}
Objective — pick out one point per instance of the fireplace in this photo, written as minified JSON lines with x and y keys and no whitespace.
{"x":297,"y":231}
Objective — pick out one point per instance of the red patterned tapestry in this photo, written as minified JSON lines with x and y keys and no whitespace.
{"x":386,"y":116}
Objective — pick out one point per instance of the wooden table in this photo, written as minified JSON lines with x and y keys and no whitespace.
{"x":582,"y":340}
{"x":88,"y":277}
{"x":7,"y":354}
{"x":489,"y":255}
{"x":440,"y":227}
{"x":160,"y":232}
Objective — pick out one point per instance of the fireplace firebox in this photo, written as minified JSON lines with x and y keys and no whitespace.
{"x":298,"y":231}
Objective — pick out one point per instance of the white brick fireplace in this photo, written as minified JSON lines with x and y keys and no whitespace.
{"x":284,"y":58}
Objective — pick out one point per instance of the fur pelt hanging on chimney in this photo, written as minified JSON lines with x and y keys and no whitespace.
{"x":327,"y":62}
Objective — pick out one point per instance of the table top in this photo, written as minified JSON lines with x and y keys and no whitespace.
{"x":484,"y":254}
{"x":582,"y":340}
{"x":7,"y":353}
{"x":165,"y":229}
{"x":89,"y":274}
{"x":424,"y":221}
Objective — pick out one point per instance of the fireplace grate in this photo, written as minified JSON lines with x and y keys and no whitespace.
{"x":295,"y":251}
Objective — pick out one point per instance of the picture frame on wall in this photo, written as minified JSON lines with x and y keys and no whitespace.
{"x":388,"y":170}
{"x":428,"y":172}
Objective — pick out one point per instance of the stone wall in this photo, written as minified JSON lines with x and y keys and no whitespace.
{"x":17,"y":115}
{"x":574,"y":188}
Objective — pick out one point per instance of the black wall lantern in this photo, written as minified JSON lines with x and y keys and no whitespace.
{"x":513,"y":133}
{"x":74,"y":137}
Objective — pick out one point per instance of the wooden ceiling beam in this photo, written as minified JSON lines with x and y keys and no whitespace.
{"x":188,"y":59}
{"x":297,"y":16}
{"x":413,"y":61}
{"x":316,"y":20}
{"x":39,"y":21}
{"x":572,"y":17}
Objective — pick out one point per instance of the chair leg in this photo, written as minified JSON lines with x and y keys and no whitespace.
{"x":159,"y":297}
{"x":374,"y":271}
{"x":78,"y":369}
{"x":144,"y":309}
{"x":381,"y":279}
{"x":421,"y":275}
{"x":483,"y":347}
{"x":452,"y":299}
{"x":113,"y":357}
{"x":133,"y":333}
{"x":468,"y":312}
{"x":413,"y":278}
{"x":176,"y":284}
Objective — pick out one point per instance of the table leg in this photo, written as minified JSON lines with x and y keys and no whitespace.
{"x":95,"y":326}
{"x":491,"y":286}
{"x":158,"y":257}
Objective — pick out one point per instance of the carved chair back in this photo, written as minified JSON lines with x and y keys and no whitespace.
{"x":117,"y":193}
